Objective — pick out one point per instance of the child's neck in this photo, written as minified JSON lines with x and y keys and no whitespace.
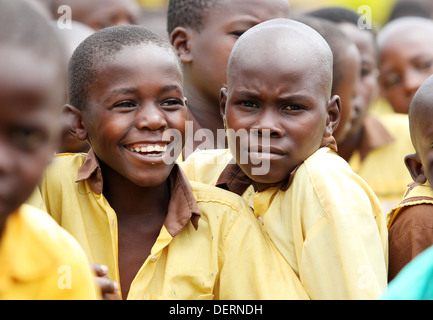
{"x":141,"y":213}
{"x":205,"y":110}
{"x":131,"y":200}
{"x":349,"y":145}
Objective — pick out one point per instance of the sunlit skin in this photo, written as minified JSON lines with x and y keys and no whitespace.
{"x":406,"y":60}
{"x":136,"y":102}
{"x":347,"y":90}
{"x":205,"y":53}
{"x":368,"y":89}
{"x":31,"y":91}
{"x":287,"y":105}
{"x":420,"y":164}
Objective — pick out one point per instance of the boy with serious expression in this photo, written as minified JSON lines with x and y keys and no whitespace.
{"x":314,"y":208}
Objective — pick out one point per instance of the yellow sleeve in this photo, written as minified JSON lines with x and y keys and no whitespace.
{"x":345,"y":247}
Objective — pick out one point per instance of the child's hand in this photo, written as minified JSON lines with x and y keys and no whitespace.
{"x":109,"y":288}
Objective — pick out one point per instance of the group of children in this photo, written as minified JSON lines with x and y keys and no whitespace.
{"x":292,"y":206}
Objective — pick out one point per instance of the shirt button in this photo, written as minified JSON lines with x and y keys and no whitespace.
{"x":153,"y":258}
{"x":260,"y":219}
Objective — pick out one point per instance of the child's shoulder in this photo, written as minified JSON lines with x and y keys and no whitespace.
{"x":416,"y":194}
{"x":326,"y":162}
{"x":64,"y":159}
{"x":331,"y":178}
{"x":206,"y":165}
{"x":52,"y":241}
{"x":66,"y":164}
{"x":219,"y":198}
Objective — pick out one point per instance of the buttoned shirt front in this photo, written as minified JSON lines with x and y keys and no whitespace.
{"x":210,"y":246}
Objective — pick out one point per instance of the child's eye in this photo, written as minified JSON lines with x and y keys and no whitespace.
{"x":293,"y":107}
{"x":172,"y":103}
{"x":424,"y":65}
{"x":249,"y":104}
{"x":391,"y":81}
{"x":29,"y":138}
{"x":125,"y":105}
{"x":237,"y":33}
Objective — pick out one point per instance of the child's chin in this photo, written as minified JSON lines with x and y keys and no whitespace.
{"x":263,"y":175}
{"x":152,"y":179}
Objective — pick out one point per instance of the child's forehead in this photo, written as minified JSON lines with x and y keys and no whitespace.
{"x":298,"y":48}
{"x":243,"y":9}
{"x":414,"y":30}
{"x":142,"y":54}
{"x":21,"y":68}
{"x":421,"y":109}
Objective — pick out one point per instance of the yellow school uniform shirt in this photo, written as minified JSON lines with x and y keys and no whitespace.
{"x":325,"y":220}
{"x":210,"y":245}
{"x":380,"y":159}
{"x":41,"y":261}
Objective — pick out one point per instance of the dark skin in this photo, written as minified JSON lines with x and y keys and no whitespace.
{"x":205,"y":53}
{"x":368,"y":89}
{"x":420,"y":164}
{"x":140,"y":215}
{"x":135,"y":103}
{"x":287,"y":103}
{"x":30,"y":92}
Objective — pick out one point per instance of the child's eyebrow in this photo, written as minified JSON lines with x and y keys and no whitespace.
{"x":290,"y":97}
{"x":132,"y":90}
{"x":171,"y":88}
{"x":120,"y":91}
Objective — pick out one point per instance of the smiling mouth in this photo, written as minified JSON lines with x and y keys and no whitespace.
{"x":151,"y":150}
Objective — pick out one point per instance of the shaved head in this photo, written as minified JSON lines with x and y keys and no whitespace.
{"x":413,"y":25}
{"x":421,"y":111}
{"x":271,"y":42}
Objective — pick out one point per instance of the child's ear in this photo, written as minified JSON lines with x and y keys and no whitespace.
{"x":223,"y":101}
{"x":333,"y":109}
{"x":414,"y":165}
{"x":74,"y":122}
{"x":180,"y":39}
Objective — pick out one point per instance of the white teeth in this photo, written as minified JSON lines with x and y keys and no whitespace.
{"x":150,"y":148}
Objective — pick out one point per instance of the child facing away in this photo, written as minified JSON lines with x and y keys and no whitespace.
{"x":130,"y":205}
{"x":410,"y":222}
{"x":325,"y":220}
{"x":405,"y":59}
{"x":203,"y":33}
{"x":376,"y":144}
{"x":38,"y":259}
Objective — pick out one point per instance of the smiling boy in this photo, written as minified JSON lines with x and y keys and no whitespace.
{"x":322,"y":217}
{"x":129,"y":204}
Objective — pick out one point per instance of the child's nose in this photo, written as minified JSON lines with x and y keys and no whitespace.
{"x":267,"y":124}
{"x":6,"y":158}
{"x":150,"y":117}
{"x":412,"y":81}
